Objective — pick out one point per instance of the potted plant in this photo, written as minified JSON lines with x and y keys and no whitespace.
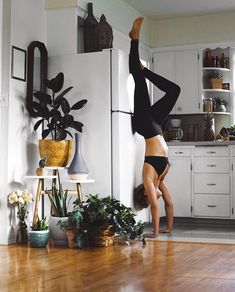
{"x":220,"y":104}
{"x":215,"y":79}
{"x":39,"y":233}
{"x":59,"y":212}
{"x":71,"y":225}
{"x":55,"y":114}
{"x":105,"y":217}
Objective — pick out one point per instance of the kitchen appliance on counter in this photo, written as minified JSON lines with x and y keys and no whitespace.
{"x":176,"y":133}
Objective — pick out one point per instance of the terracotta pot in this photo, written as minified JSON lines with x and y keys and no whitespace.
{"x":58,"y":153}
{"x":71,"y":234}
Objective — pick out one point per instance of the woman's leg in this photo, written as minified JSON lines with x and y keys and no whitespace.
{"x":142,"y":105}
{"x":161,"y":109}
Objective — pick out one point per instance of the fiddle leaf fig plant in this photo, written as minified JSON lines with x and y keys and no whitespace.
{"x":55,"y":111}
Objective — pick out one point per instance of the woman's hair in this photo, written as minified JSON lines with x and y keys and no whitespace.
{"x":140,"y":199}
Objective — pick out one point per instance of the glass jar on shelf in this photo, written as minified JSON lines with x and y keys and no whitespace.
{"x":208,"y":105}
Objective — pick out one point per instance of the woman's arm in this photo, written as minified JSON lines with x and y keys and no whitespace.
{"x":154,"y":205}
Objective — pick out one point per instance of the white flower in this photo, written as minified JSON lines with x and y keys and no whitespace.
{"x":28,"y":198}
{"x":19,"y":193}
{"x":21,"y":200}
{"x":13,"y":198}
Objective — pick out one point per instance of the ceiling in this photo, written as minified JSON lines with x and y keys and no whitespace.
{"x":163,"y":9}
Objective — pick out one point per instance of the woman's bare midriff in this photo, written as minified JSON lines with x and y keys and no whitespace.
{"x":156,"y":146}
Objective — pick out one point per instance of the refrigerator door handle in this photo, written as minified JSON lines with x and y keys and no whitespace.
{"x":123,"y":112}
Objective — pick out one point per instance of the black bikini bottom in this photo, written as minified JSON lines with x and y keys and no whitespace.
{"x":159,"y":163}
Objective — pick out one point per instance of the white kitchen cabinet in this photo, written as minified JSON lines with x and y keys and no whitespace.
{"x":232,"y":167}
{"x":179,"y":180}
{"x":181,"y":67}
{"x":217,"y":78}
{"x":211,"y":182}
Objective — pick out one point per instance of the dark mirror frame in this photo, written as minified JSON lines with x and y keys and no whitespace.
{"x":30,"y":71}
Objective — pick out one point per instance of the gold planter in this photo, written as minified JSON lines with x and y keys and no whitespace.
{"x":58,"y":153}
{"x":102,"y":236}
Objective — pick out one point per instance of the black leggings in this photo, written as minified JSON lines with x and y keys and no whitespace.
{"x":145,"y":115}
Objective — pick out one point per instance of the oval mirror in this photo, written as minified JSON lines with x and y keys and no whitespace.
{"x":36,"y":72}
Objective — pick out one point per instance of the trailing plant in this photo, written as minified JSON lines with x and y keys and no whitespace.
{"x":103,"y":212}
{"x":55,"y":111}
{"x":40,"y":225}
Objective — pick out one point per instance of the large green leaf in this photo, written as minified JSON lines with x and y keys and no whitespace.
{"x":65,"y":106}
{"x":68,"y":120}
{"x":56,"y":83}
{"x":45,"y":133}
{"x":77,"y":126}
{"x":43,"y":97}
{"x":38,"y":124}
{"x":79,"y":104}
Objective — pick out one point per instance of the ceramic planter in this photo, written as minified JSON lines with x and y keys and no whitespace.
{"x":38,"y":238}
{"x":56,"y":234}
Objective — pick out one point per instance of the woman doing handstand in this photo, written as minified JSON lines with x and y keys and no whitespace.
{"x":147,"y":122}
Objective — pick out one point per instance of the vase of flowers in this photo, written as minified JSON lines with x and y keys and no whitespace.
{"x":22,"y":199}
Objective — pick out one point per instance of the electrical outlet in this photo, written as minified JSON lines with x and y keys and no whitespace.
{"x":4,"y":99}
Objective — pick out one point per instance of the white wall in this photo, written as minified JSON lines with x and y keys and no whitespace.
{"x":189,"y":30}
{"x":24,"y":21}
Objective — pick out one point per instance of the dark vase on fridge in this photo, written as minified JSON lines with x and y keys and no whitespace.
{"x":78,"y":169}
{"x":103,"y":34}
{"x":89,"y":30}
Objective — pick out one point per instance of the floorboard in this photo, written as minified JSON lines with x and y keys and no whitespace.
{"x":158,"y":266}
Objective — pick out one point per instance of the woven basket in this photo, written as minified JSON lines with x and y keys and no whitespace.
{"x":215,"y":83}
{"x":102,"y":236}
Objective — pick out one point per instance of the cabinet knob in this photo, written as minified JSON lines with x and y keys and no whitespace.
{"x":179,"y":108}
{"x":211,"y":165}
{"x":212,"y":184}
{"x":179,"y":152}
{"x":211,"y":152}
{"x":211,"y":206}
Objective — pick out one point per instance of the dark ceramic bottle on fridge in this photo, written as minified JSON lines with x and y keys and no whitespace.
{"x":89,"y":30}
{"x":78,"y":169}
{"x":103,"y":34}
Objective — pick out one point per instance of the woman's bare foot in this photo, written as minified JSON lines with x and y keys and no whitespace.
{"x":166,"y":230}
{"x":135,"y":31}
{"x":150,"y":235}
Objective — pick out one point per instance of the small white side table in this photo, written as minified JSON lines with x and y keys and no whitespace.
{"x":78,"y":185}
{"x":54,"y":177}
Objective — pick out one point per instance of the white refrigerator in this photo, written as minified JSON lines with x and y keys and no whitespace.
{"x":114,"y":155}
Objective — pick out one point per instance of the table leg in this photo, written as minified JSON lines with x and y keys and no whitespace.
{"x":79,"y":191}
{"x":37,"y":200}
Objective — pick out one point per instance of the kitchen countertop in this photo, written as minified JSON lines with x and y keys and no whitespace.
{"x":200,"y":143}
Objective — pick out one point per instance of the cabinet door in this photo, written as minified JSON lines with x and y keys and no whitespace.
{"x":180,"y":67}
{"x":164,"y":65}
{"x":186,"y":76}
{"x":178,"y":181}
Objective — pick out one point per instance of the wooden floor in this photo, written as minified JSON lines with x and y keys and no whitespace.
{"x":159,"y":266}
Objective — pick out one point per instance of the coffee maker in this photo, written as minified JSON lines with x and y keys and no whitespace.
{"x":176,"y":133}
